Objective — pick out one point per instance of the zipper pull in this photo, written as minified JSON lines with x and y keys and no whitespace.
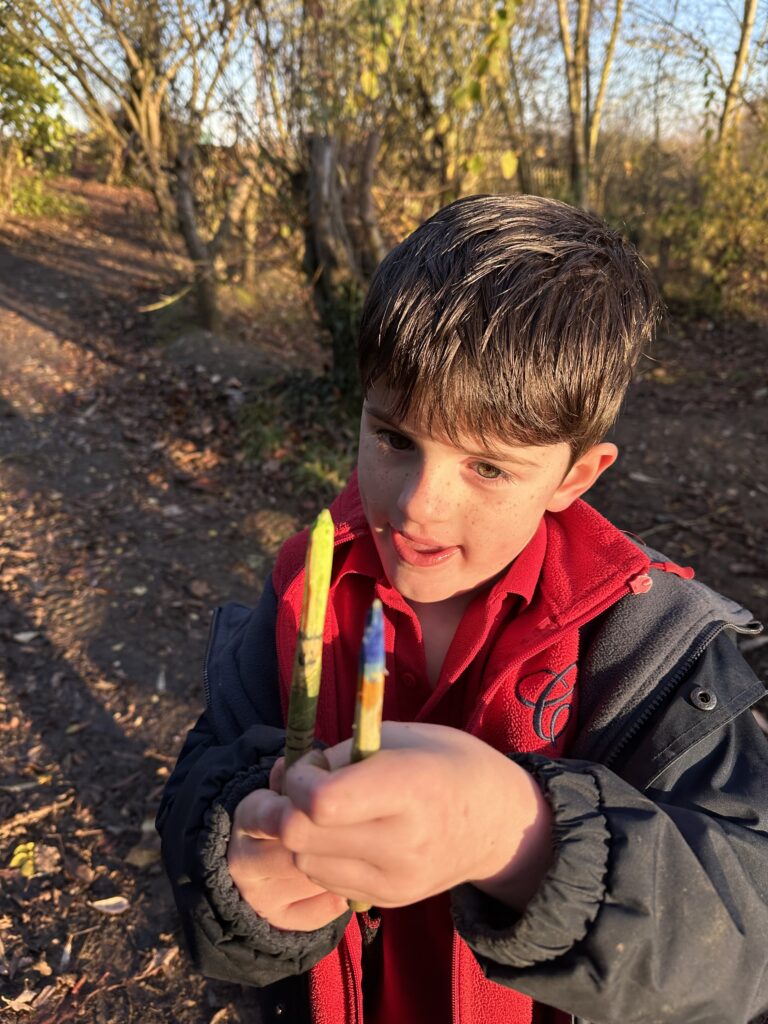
{"x":640,"y":584}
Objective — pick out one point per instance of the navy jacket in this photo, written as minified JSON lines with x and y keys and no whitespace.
{"x":656,"y":905}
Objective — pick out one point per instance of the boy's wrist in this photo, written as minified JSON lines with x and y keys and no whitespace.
{"x":529,"y":849}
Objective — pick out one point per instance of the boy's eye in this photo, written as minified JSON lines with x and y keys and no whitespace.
{"x":487,"y":471}
{"x":398,"y":442}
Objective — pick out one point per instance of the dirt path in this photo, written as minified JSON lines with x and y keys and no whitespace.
{"x":128,"y":511}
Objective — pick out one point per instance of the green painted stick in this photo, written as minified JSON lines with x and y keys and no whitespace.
{"x":366,"y":737}
{"x":307,"y":663}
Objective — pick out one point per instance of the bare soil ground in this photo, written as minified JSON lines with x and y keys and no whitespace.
{"x":128,"y":509}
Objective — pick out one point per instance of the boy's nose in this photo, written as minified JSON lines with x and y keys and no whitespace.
{"x":424,"y":497}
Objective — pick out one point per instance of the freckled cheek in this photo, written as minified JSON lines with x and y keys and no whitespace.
{"x":379,"y":489}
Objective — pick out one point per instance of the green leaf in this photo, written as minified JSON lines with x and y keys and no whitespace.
{"x":461,"y":98}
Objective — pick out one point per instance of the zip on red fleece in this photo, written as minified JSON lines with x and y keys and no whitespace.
{"x":354,"y":982}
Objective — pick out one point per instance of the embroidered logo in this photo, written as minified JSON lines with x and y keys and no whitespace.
{"x":548,"y":694}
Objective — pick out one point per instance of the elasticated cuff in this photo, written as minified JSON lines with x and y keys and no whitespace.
{"x":238,"y":919}
{"x":567,"y":901}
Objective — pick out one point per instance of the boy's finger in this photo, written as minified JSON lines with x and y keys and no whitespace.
{"x":317,"y":759}
{"x":350,"y":794}
{"x":338,"y":756}
{"x":363,"y":840}
{"x":260,"y":814}
{"x":276,"y":775}
{"x":352,"y":879}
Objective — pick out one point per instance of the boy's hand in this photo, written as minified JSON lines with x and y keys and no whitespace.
{"x":433,"y":808}
{"x":264,"y":871}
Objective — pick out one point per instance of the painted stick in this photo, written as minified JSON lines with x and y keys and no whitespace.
{"x":366,"y":737}
{"x":307,"y":663}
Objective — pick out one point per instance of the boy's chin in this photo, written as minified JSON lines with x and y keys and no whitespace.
{"x":420,"y":590}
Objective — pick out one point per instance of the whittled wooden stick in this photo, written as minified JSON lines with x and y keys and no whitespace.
{"x":366,"y":737}
{"x":307,"y":663}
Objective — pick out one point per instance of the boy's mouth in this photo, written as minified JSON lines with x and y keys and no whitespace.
{"x":419,"y":551}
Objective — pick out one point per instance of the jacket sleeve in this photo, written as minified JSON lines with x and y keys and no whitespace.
{"x":655,"y":907}
{"x":216,"y":769}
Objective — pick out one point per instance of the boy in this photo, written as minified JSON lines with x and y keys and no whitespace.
{"x":569,"y":809}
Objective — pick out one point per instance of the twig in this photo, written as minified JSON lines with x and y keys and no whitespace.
{"x":25,"y":818}
{"x":645,"y":534}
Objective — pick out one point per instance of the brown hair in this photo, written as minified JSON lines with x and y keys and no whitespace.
{"x":514,"y":318}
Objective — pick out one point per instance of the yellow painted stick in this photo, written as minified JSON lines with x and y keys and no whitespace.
{"x":366,"y":737}
{"x":307,"y":664}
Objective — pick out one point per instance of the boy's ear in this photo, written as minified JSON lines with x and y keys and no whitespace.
{"x":582,"y":474}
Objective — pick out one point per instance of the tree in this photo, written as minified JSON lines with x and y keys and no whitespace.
{"x":585,"y":113}
{"x":161,"y":64}
{"x":351,"y":91}
{"x":30,"y":122}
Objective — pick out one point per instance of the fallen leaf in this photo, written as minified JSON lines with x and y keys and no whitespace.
{"x":643,"y":478}
{"x":43,"y":967}
{"x":47,"y":859}
{"x":25,"y":638}
{"x":111,"y":905}
{"x":199,"y":588}
{"x":23,"y":859}
{"x":162,"y":958}
{"x":21,"y":1004}
{"x":141,"y":856}
{"x":84,"y":873}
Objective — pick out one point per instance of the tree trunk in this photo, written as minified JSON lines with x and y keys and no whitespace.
{"x":375,"y":250}
{"x":116,"y":164}
{"x":7,"y":164}
{"x":734,"y":85}
{"x":250,"y":226}
{"x":330,"y":261}
{"x":205,"y":283}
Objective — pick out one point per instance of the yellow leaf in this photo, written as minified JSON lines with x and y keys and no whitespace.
{"x":443,"y":124}
{"x":381,"y":58}
{"x":508,"y":164}
{"x":369,"y":83}
{"x":23,"y":858}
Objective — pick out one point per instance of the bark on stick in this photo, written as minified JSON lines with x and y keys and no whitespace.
{"x":307,"y":664}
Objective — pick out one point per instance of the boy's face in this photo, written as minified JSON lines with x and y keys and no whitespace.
{"x":447,"y":519}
